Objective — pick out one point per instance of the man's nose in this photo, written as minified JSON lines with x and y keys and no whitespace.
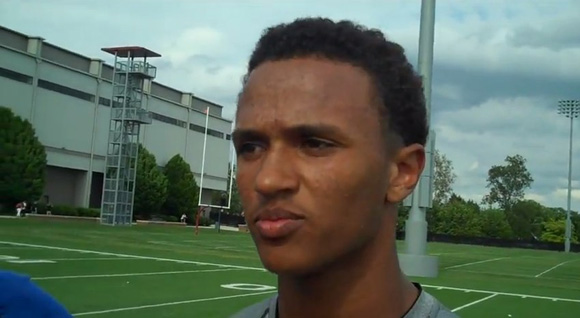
{"x":277,"y":174}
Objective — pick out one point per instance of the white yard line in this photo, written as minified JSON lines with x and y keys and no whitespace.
{"x":262,"y":269}
{"x":518,"y":275}
{"x":135,"y":274}
{"x":170,"y":304}
{"x":91,"y":259}
{"x":474,"y":302}
{"x":502,"y":293}
{"x":131,"y":256}
{"x":450,"y":253}
{"x":478,"y":262}
{"x":165,"y":243}
{"x":553,"y":268}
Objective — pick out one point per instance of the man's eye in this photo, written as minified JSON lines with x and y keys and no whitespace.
{"x":317,"y":144}
{"x":249,"y":148}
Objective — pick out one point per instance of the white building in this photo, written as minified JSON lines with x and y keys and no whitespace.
{"x":67,"y":97}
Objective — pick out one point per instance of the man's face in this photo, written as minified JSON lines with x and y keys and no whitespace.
{"x":313,"y":170}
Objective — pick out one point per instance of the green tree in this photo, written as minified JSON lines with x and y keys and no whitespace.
{"x":432,"y":217}
{"x":182,"y":189}
{"x":472,"y":204}
{"x":507,"y":183}
{"x":150,"y":185}
{"x":459,"y":219}
{"x":22,"y":160}
{"x":554,"y":214}
{"x":554,"y":231}
{"x":575,"y":217}
{"x":402,"y":216}
{"x":236,"y":203}
{"x":436,"y":216}
{"x":443,"y":179}
{"x":494,"y":224}
{"x":526,"y":218}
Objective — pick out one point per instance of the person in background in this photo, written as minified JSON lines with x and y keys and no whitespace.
{"x":330,"y":137}
{"x":48,"y":205}
{"x":19,"y":207}
{"x":21,"y":298}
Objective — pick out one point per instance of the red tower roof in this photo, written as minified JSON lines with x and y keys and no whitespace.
{"x":134,"y":51}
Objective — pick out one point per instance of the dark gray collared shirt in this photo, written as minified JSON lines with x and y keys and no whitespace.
{"x":426,"y":306}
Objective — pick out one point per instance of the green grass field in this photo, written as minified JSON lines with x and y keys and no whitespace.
{"x":155,"y":271}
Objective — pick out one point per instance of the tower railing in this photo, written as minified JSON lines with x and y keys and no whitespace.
{"x":127,"y":116}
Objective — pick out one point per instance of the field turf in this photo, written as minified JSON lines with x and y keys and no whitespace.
{"x":168,"y":272}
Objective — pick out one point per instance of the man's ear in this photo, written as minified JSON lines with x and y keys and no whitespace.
{"x":406,"y":168}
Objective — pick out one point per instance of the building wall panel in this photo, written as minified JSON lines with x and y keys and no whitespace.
{"x":66,"y":77}
{"x":18,"y":62}
{"x":64,"y":122}
{"x":16,"y":96}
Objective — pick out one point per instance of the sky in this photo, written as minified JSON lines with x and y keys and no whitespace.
{"x":500,"y":66}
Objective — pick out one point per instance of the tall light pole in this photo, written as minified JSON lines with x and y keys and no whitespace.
{"x":415,"y":261}
{"x":570,"y":109}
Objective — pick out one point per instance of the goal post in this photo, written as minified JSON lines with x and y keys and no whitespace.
{"x":222,"y":205}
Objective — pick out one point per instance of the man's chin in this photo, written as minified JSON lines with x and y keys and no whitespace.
{"x":287,"y":265}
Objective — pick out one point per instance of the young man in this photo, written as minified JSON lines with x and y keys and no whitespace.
{"x":330,"y":135}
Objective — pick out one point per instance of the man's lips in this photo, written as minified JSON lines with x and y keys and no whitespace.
{"x":277,"y":214}
{"x":278,"y":223}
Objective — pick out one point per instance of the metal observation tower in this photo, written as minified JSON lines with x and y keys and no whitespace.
{"x":130,"y":72}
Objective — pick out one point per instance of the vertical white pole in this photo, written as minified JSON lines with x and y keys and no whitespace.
{"x":568,"y":233}
{"x":416,"y":225}
{"x":203,"y":155}
{"x":416,"y":261}
{"x":231,"y":171}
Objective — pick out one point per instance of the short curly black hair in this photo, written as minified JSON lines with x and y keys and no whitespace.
{"x":398,"y":86}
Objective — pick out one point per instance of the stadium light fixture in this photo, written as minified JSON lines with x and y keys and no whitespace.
{"x":570,"y":109}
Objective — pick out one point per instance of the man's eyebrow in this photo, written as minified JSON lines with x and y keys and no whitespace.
{"x":303,"y":130}
{"x":244,"y":134}
{"x":315,"y":129}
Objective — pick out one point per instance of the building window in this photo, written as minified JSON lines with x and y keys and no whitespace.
{"x":105,"y":101}
{"x":66,"y":90}
{"x":210,"y":132}
{"x":197,"y":128}
{"x":168,"y":120}
{"x":228,"y":137}
{"x":215,"y":133}
{"x":19,"y":77}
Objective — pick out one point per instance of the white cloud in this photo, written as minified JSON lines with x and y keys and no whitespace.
{"x":449,"y":91}
{"x":203,"y":60}
{"x":495,"y":54}
{"x":487,"y":36}
{"x":536,"y":197}
{"x":195,"y":41}
{"x":563,"y":193}
{"x":474,"y":166}
{"x":485,"y":134}
{"x":563,"y":182}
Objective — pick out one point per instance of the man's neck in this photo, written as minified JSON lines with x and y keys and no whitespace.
{"x":369,"y":284}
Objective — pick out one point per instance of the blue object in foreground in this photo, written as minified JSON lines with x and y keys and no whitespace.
{"x":21,"y":298}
